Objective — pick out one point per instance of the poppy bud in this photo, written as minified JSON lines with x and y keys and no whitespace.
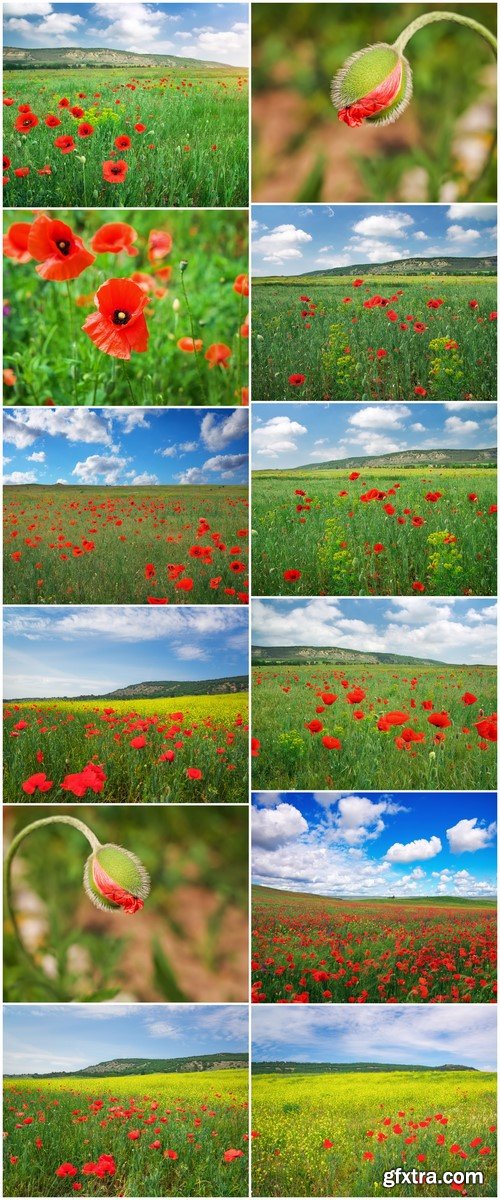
{"x":374,"y":84}
{"x":115,"y":878}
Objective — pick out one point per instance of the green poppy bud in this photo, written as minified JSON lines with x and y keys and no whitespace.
{"x":115,"y":878}
{"x":375,"y":84}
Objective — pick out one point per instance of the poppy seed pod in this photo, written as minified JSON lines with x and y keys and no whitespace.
{"x":374,"y":84}
{"x":115,"y":878}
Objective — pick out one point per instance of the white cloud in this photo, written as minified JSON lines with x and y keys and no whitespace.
{"x":19,"y":477}
{"x":272,"y":827}
{"x":145,"y":479}
{"x":384,"y":225}
{"x":23,"y":427}
{"x":37,"y":456}
{"x":359,"y":819}
{"x":421,"y":848}
{"x":455,"y":233}
{"x":468,"y":835}
{"x":281,"y":243}
{"x":377,"y":416}
{"x":277,"y":436}
{"x":180,"y":625}
{"x":420,"y":236}
{"x":225,"y":464}
{"x":98,"y":468}
{"x":218,"y":432}
{"x":473,"y":212}
{"x":55,"y":28}
{"x":459,"y":428}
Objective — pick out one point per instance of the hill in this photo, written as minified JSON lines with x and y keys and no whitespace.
{"x":293,"y":655}
{"x":150,"y":1066}
{"x":163,"y":690}
{"x":64,"y":57}
{"x":401,"y":458}
{"x":309,"y":1068}
{"x":447,"y":265}
{"x":262,"y":894}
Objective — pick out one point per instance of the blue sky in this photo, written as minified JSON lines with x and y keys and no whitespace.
{"x":64,"y":652}
{"x":128,"y":447}
{"x":403,"y":844}
{"x":451,"y":631}
{"x":290,"y":435}
{"x":214,"y":32}
{"x":67,"y":1037}
{"x":292,"y":239}
{"x":418,"y":1035}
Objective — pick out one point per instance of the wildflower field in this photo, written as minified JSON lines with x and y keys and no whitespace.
{"x":397,"y":338}
{"x":150,"y":309}
{"x":320,"y":950}
{"x":193,"y":749}
{"x":376,"y":726}
{"x":117,"y":545}
{"x":374,"y":532}
{"x":108,"y":136}
{"x":335,"y":1134}
{"x":183,"y":1134}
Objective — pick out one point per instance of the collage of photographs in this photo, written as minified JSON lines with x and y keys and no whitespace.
{"x":250,"y":377}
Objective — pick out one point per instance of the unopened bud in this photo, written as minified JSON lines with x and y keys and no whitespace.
{"x":375,"y":84}
{"x":115,"y":878}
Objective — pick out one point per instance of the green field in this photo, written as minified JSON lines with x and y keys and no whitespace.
{"x":195,"y":1118}
{"x":49,"y":357}
{"x":117,"y":545}
{"x":305,"y":328}
{"x":205,"y":733}
{"x":295,"y":1116}
{"x":285,"y":699}
{"x":344,"y":546}
{"x":193,"y":149}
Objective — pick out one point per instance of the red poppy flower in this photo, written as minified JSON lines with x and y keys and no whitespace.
{"x":189,"y":345}
{"x":473,"y":304}
{"x":296,"y":380}
{"x":21,"y":172}
{"x":65,"y":144}
{"x":159,"y":244}
{"x":193,"y":773}
{"x":44,"y":170}
{"x":218,"y":354}
{"x":440,"y":719}
{"x":292,"y":575}
{"x":85,"y":130}
{"x":76,"y":111}
{"x":52,"y":122}
{"x":314,"y":726}
{"x":25,"y":122}
{"x":487,"y":728}
{"x":119,"y":326}
{"x":66,"y":1168}
{"x":139,"y":128}
{"x":419,"y":327}
{"x":15,"y":242}
{"x":240,"y":285}
{"x":114,"y":172}
{"x":172,"y":1154}
{"x":123,"y":142}
{"x":331,"y":743}
{"x":61,"y":254}
{"x":434,"y":303}
{"x":230,"y":1155}
{"x":113,"y":892}
{"x":468,"y":698}
{"x":418,"y":587}
{"x":420,"y":391}
{"x":38,"y":782}
{"x":115,"y":238}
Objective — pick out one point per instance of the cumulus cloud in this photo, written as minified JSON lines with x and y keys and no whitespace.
{"x":468,"y":836}
{"x":99,"y":468}
{"x":23,"y":427}
{"x":217,"y":432}
{"x":386,"y":225}
{"x":19,"y":477}
{"x":277,"y":436}
{"x":421,"y":848}
{"x":144,"y":479}
{"x":37,"y":456}
{"x":272,"y":827}
{"x":471,"y":212}
{"x":281,"y":243}
{"x":455,"y":233}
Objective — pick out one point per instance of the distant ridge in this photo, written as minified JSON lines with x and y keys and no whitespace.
{"x":308,"y":1068}
{"x":20,"y":59}
{"x":446,"y":265}
{"x":161,"y":690}
{"x":148,"y":1066}
{"x":400,"y":458}
{"x":335,"y":655}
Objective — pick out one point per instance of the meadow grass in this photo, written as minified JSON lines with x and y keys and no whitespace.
{"x":329,"y":534}
{"x":172,"y":1109}
{"x":192,"y":152}
{"x":113,"y":545}
{"x":285,"y":699}
{"x":208,"y":733}
{"x":335,"y":344}
{"x":295,"y":1115}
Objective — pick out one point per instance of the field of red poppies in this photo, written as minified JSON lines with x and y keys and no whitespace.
{"x":320,"y":950}
{"x":151,"y":1135}
{"x":374,"y":727}
{"x":148,"y":310}
{"x":375,"y":339}
{"x":106,"y":136}
{"x":156,"y":751}
{"x":115,"y":545}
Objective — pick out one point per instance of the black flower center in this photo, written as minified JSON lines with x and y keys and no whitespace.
{"x":63,"y":246}
{"x":120,"y":317}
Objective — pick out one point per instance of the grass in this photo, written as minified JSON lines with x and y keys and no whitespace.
{"x":197,"y":1116}
{"x":53,"y":360}
{"x":295,"y":1116}
{"x":375,"y":951}
{"x":112,"y":545}
{"x":334,"y":344}
{"x":208,"y":733}
{"x":192,"y":152}
{"x":286,"y":698}
{"x":329,"y":533}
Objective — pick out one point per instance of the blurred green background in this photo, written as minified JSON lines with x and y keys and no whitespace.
{"x":189,"y":942}
{"x":439,"y":149}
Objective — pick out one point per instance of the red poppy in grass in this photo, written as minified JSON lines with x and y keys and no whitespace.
{"x":21,"y":172}
{"x":155,"y":1145}
{"x":433,"y":497}
{"x":314,"y":726}
{"x":37,"y":783}
{"x":473,"y":304}
{"x":8,"y":102}
{"x":468,"y":698}
{"x":61,"y":254}
{"x":25,"y":122}
{"x":417,"y":586}
{"x":134,"y":1134}
{"x":378,"y":548}
{"x":92,"y":779}
{"x":114,"y":238}
{"x":420,"y":391}
{"x":193,"y":773}
{"x":230,"y":1155}
{"x":159,"y":244}
{"x":85,"y":130}
{"x":419,"y":327}
{"x":15,"y":242}
{"x":114,"y":172}
{"x":184,"y":585}
{"x":44,"y":170}
{"x":138,"y":743}
{"x":255,"y":747}
{"x":65,"y":143}
{"x":327,"y":1144}
{"x":171,"y":1154}
{"x":472,"y":497}
{"x":440,"y":719}
{"x":492,"y":316}
{"x":51,"y":121}
{"x":356,"y":696}
{"x":381,"y":353}
{"x":487,"y":728}
{"x":218,"y":354}
{"x":140,"y":128}
{"x":331,"y":743}
{"x":368,"y":1156}
{"x":240,"y":285}
{"x":189,"y":345}
{"x":76,"y":111}
{"x":119,"y":326}
{"x":292,"y":575}
{"x":354,"y":475}
{"x":66,"y":1168}
{"x":296,"y":380}
{"x":157,"y":600}
{"x":388,"y":720}
{"x":434,"y":303}
{"x":123,"y":142}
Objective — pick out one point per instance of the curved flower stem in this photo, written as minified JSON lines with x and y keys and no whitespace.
{"x":9,"y":907}
{"x":429,"y":18}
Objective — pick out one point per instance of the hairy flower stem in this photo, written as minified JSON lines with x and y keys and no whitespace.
{"x":73,"y":341}
{"x":9,"y":906}
{"x":430,"y":18}
{"x":191,"y":325}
